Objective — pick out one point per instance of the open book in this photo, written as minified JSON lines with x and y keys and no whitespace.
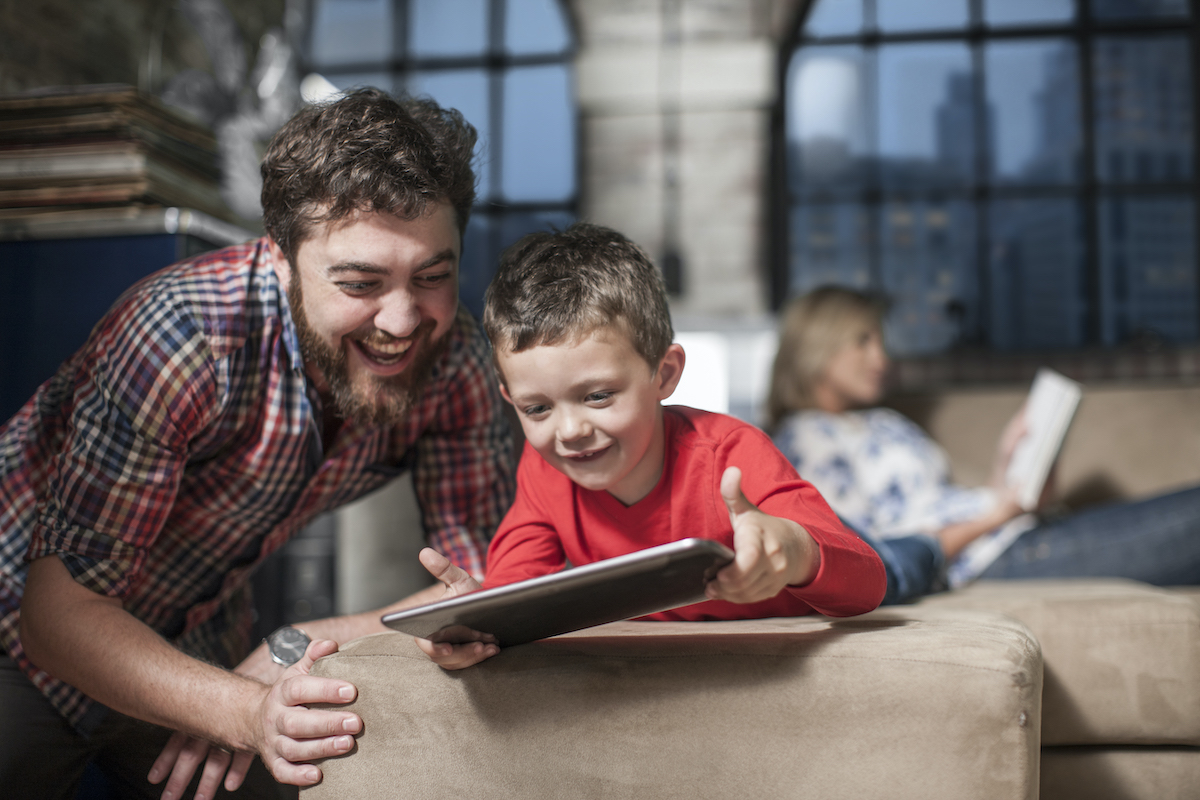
{"x":1048,"y":413}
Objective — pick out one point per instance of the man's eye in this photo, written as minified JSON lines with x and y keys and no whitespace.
{"x":354,"y":287}
{"x":435,"y":280}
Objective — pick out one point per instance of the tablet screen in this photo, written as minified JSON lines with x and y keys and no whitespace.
{"x":633,"y":585}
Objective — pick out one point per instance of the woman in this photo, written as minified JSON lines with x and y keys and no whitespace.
{"x":889,"y":481}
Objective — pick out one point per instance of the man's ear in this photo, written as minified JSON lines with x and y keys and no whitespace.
{"x":283,"y":268}
{"x":670,"y":370}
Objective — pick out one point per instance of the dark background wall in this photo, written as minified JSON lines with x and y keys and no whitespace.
{"x":138,"y":42}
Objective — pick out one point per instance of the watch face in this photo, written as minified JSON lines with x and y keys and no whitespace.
{"x":287,"y":645}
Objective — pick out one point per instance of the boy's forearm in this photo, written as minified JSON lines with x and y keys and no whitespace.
{"x":808,"y":562}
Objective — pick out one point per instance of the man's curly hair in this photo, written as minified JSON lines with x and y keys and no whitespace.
{"x":367,"y":151}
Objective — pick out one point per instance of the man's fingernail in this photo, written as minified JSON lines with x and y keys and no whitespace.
{"x":350,"y":725}
{"x":312,"y":774}
{"x":346,"y":692}
{"x":345,"y":742}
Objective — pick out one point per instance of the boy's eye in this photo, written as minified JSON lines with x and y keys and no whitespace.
{"x":534,"y":411}
{"x":599,"y":397}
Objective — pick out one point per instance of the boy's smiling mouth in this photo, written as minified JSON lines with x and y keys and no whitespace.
{"x":587,"y":455}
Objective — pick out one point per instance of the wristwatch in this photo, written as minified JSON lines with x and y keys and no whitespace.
{"x":287,"y":645}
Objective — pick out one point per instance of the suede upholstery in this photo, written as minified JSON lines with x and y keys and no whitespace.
{"x":1120,"y":773}
{"x":1122,"y":658}
{"x":910,"y":703}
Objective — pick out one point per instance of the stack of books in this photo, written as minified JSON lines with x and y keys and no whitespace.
{"x":100,"y":147}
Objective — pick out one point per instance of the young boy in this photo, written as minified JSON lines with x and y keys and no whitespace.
{"x":583,"y":346}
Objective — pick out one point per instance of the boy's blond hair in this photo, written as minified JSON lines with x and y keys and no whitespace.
{"x":555,"y":287}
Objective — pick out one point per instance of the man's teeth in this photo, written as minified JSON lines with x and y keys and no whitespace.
{"x":387,"y":353}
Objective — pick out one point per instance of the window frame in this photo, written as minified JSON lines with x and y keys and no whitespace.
{"x":496,"y":62}
{"x":1083,"y":31}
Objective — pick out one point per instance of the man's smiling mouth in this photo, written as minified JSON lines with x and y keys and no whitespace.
{"x":386,"y":354}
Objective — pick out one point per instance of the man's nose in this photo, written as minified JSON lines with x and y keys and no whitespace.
{"x":398,"y":314}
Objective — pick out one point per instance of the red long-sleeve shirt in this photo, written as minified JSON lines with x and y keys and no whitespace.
{"x":554,"y":521}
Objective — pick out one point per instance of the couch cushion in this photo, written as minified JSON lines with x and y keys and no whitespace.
{"x":923,"y":703}
{"x":1120,"y":773}
{"x":1122,"y":658}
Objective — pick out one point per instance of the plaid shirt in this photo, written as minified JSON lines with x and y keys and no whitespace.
{"x":180,"y":447}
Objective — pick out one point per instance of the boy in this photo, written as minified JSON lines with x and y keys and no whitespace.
{"x":583,"y":346}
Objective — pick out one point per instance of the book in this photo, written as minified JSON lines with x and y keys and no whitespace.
{"x":1049,"y":410}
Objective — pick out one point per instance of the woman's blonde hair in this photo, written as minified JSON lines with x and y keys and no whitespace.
{"x":812,"y":329}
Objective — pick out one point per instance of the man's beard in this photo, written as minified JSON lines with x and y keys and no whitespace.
{"x":383,"y":400}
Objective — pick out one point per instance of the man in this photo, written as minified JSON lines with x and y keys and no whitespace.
{"x":219,"y":406}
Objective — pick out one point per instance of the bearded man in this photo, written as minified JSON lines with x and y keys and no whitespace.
{"x":218,"y":407}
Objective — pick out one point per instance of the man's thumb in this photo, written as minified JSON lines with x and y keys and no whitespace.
{"x":731,"y":493}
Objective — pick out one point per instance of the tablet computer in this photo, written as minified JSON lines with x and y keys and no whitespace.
{"x":633,"y":585}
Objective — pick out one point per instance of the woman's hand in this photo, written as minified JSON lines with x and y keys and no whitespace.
{"x":1013,"y":432}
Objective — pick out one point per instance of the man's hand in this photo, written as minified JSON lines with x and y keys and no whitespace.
{"x":457,"y":582}
{"x":289,"y":734}
{"x":769,"y":552}
{"x":184,"y":753}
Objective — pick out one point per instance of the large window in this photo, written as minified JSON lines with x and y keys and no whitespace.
{"x":1016,"y":175}
{"x":505,"y":64}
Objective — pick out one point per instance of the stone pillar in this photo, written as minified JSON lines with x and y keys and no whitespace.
{"x":675,"y":100}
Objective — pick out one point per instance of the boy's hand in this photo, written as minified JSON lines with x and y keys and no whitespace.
{"x":457,"y":582}
{"x":769,"y":552}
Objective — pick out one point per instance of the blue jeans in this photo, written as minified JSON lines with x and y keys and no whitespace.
{"x":1156,"y":541}
{"x":913,"y":565}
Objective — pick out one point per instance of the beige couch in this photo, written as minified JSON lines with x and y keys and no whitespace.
{"x":1077,"y":690}
{"x":1059,"y":689}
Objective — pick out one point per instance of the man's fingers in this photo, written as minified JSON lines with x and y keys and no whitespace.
{"x":304,"y":690}
{"x":190,"y":757}
{"x":317,"y":649}
{"x":291,"y":774}
{"x":214,"y":770}
{"x":162,"y":765}
{"x":731,"y":493}
{"x":237,"y":772}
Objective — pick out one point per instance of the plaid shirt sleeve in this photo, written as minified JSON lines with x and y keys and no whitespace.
{"x":143,"y":384}
{"x":464,"y":475}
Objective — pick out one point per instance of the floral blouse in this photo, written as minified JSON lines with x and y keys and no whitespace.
{"x":879,"y":471}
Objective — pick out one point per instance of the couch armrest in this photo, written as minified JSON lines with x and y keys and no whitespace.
{"x":894,"y":704}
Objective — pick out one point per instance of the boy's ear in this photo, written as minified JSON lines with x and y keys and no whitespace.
{"x":670,"y":370}
{"x":504,"y":392}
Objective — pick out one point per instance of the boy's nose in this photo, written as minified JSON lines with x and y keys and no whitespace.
{"x":573,"y":426}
